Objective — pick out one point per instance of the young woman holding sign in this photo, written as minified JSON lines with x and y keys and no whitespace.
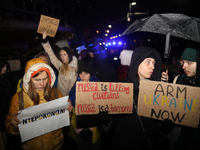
{"x":133,"y":131}
{"x":66,"y":65}
{"x":37,"y":89}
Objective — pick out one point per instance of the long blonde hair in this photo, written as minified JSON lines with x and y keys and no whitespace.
{"x":64,"y":69}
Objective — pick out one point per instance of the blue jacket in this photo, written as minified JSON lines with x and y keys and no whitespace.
{"x":72,"y":93}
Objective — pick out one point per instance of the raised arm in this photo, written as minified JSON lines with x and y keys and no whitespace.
{"x":47,"y":47}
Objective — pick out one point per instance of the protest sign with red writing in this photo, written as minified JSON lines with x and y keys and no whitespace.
{"x":93,"y":97}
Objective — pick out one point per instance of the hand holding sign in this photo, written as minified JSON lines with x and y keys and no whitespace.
{"x":15,"y":121}
{"x":44,"y":35}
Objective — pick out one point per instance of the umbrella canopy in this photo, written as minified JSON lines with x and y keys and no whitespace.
{"x":178,"y":25}
{"x":170,"y":24}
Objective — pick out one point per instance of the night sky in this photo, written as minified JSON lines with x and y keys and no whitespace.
{"x":100,"y":13}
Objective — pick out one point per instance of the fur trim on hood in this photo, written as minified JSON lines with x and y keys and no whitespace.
{"x":74,"y":62}
{"x":34,"y":65}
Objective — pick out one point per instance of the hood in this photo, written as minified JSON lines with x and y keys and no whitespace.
{"x":140,"y":53}
{"x":74,"y":62}
{"x":125,"y":57}
{"x":34,"y":65}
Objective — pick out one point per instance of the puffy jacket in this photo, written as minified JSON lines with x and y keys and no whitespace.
{"x":52,"y":140}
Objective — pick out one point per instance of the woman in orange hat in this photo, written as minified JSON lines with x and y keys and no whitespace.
{"x":38,"y":81}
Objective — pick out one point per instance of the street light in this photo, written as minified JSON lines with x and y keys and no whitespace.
{"x":131,"y":4}
{"x":130,"y":13}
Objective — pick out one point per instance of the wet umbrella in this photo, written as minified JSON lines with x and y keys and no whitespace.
{"x":171,"y":24}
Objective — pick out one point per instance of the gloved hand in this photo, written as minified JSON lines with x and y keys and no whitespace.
{"x":86,"y":134}
{"x":103,"y":117}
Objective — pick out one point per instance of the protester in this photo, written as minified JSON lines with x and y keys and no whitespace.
{"x":125,"y":57}
{"x":84,"y":128}
{"x":185,"y":137}
{"x":6,"y":93}
{"x":37,"y":89}
{"x":128,"y":132}
{"x":66,"y":66}
{"x":46,"y":59}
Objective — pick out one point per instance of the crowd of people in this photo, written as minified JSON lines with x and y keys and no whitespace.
{"x":102,"y":131}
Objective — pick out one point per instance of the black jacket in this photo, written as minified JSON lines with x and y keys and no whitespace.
{"x":128,"y":131}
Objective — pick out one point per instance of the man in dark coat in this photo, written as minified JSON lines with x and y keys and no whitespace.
{"x":189,"y":138}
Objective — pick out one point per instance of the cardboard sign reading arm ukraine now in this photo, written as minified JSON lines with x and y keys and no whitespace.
{"x":160,"y":100}
{"x":48,"y":24}
{"x":92,"y":97}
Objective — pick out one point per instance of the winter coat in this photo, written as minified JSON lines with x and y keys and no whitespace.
{"x":128,"y":131}
{"x":52,"y":140}
{"x":6,"y":93}
{"x":89,"y":119}
{"x":65,"y":82}
{"x":189,"y":138}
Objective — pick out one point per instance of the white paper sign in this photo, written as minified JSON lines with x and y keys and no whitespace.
{"x":40,"y":119}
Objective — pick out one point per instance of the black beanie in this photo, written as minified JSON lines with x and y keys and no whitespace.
{"x":69,"y":53}
{"x":82,"y":66}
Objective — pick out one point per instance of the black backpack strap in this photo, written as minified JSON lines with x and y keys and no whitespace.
{"x":55,"y":92}
{"x":21,"y":100}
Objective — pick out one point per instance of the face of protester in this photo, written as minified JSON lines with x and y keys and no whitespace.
{"x":40,"y":82}
{"x":64,"y":56}
{"x":84,"y":76}
{"x":3,"y":70}
{"x":91,"y":54}
{"x":189,"y":68}
{"x":146,"y":67}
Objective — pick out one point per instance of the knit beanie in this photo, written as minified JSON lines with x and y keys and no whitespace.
{"x":189,"y":54}
{"x":69,"y":53}
{"x":82,"y":66}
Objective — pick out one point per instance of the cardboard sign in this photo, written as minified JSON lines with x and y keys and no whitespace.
{"x":15,"y":65}
{"x":92,"y":97}
{"x":160,"y":100}
{"x":48,"y":24}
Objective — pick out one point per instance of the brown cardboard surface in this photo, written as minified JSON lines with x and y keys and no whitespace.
{"x":48,"y":24}
{"x":92,"y":97}
{"x":160,"y":100}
